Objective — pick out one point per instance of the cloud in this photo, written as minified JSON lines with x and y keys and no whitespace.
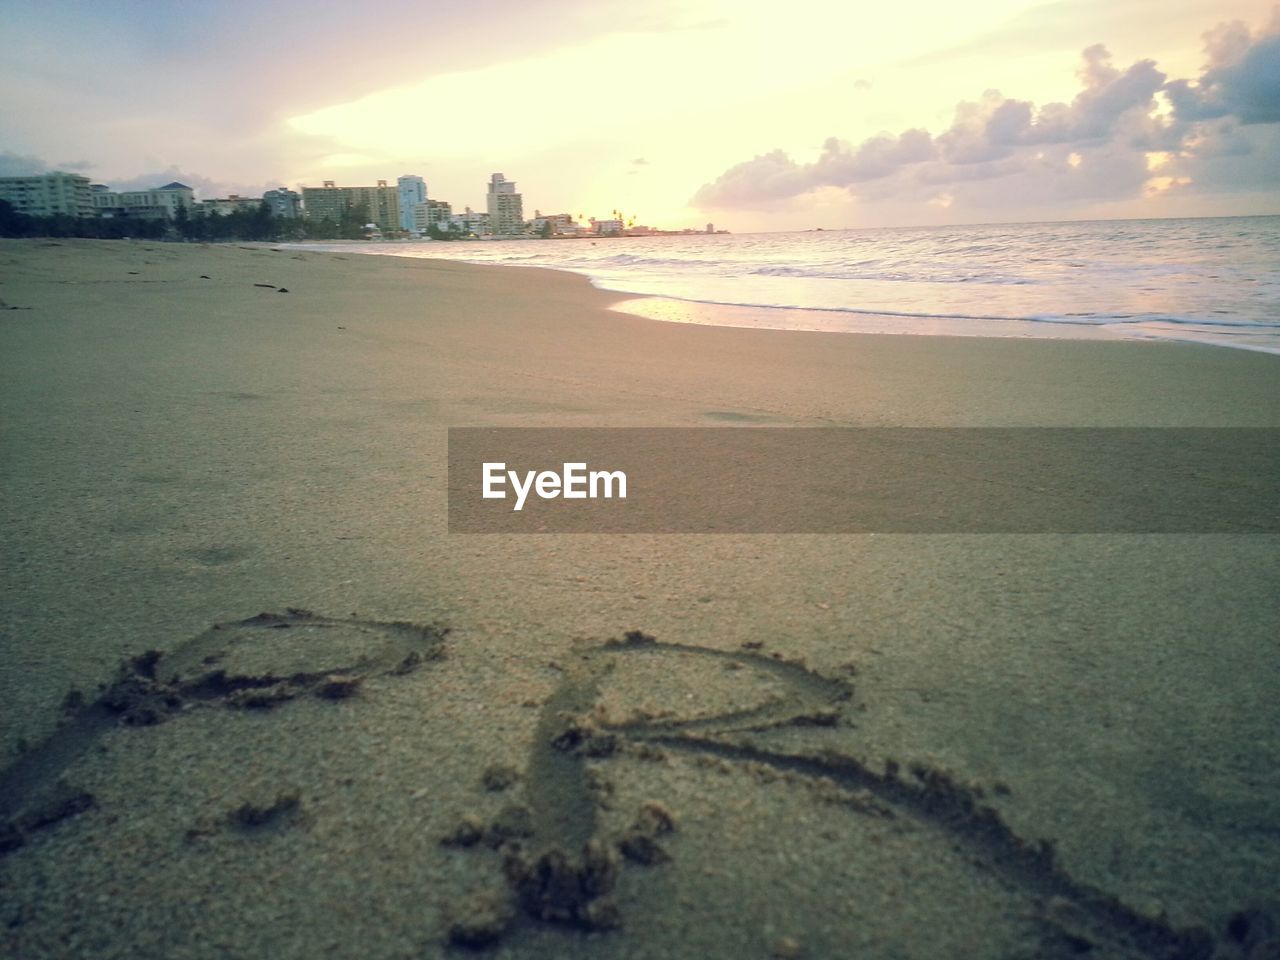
{"x":1242,"y":78}
{"x":25,"y":165}
{"x":20,"y":164}
{"x":205,"y":187}
{"x":1108,"y":96}
{"x":877,"y":157}
{"x":1001,"y":152}
{"x":758,"y":182}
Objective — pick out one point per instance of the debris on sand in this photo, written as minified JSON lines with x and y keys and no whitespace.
{"x":499,"y":777}
{"x":513,"y":823}
{"x":249,"y":815}
{"x":469,"y":831}
{"x":481,"y":919}
{"x":639,"y":842}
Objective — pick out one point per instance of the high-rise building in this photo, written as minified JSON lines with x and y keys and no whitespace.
{"x":506,"y":207}
{"x":380,"y":204}
{"x":411,"y":190}
{"x":431,"y":213}
{"x":284,"y":203}
{"x":49,"y":194}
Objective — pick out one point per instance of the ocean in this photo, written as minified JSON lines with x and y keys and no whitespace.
{"x":1213,"y":281}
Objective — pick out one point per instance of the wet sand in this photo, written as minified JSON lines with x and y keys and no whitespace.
{"x":908,"y":746}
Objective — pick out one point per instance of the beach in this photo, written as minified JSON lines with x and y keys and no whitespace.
{"x":961,"y":745}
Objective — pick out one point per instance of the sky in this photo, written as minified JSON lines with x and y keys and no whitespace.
{"x":753,"y":115}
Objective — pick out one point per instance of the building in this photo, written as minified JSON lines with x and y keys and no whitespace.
{"x":284,"y":203}
{"x":380,"y":205}
{"x":230,"y":204}
{"x":326,"y":202}
{"x":562,"y":224}
{"x":506,"y":207}
{"x":431,"y":213}
{"x":162,"y":203}
{"x":49,"y":194}
{"x":411,"y":191}
{"x":607,"y":228}
{"x":469,"y":223}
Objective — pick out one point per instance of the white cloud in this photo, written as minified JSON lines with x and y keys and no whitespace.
{"x":1001,"y":153}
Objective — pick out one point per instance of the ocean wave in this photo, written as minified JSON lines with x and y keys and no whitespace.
{"x":1076,"y":319}
{"x":888,"y":276}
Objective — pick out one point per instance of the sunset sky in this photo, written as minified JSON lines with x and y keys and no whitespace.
{"x":754,"y":115}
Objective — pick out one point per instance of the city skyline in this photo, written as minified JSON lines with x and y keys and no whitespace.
{"x":677,"y":114}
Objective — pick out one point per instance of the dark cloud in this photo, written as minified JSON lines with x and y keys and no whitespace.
{"x":1232,"y":158}
{"x":1001,"y":152}
{"x":20,"y":164}
{"x":1242,"y":78}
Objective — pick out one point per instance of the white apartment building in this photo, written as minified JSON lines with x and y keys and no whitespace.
{"x":162,"y":203}
{"x":561,"y":223}
{"x":49,"y":194}
{"x":506,"y":207}
{"x":413,"y":191}
{"x":607,"y":227}
{"x":225,"y":205}
{"x":469,"y":222}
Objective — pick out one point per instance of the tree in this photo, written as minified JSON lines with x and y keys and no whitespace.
{"x":352,"y":224}
{"x":182,"y":222}
{"x":13,"y":223}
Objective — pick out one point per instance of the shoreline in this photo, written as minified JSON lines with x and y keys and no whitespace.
{"x":197,"y":435}
{"x":676,"y":309}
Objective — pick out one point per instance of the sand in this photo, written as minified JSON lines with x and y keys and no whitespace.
{"x":870,"y":746}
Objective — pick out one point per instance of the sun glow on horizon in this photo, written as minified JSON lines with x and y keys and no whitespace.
{"x":741,"y":81}
{"x":678,"y":111}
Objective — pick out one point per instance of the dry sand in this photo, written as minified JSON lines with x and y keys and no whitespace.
{"x":964,"y":746}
